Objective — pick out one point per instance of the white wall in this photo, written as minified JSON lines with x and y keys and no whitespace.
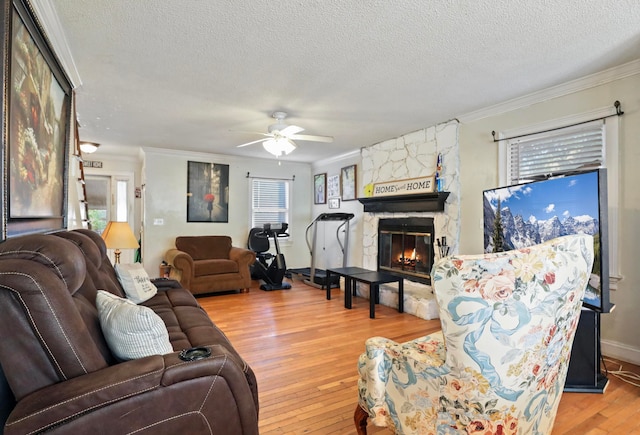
{"x":165,"y":198}
{"x":328,"y":253}
{"x":479,"y":171}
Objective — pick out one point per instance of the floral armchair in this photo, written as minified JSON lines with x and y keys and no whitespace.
{"x":500,"y":363}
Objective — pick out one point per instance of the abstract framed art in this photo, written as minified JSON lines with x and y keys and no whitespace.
{"x":36,"y":127}
{"x":333,"y":186}
{"x":348,"y":182}
{"x":320,"y":188}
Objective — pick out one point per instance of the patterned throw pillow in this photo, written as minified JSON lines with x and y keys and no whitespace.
{"x":135,"y":281}
{"x":131,"y":331}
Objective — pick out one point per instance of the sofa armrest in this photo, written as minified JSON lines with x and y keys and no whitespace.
{"x":152,"y":392}
{"x":182,"y":263}
{"x":244,"y":257}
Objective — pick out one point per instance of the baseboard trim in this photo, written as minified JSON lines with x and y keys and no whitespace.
{"x":620,"y":351}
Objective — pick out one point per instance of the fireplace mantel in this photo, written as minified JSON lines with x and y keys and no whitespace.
{"x":405,"y":203}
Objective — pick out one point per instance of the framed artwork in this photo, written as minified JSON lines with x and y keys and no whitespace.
{"x":320,"y":188}
{"x":36,"y":127}
{"x":334,"y":202}
{"x":207,"y":192}
{"x":348,"y":183}
{"x":333,"y":186}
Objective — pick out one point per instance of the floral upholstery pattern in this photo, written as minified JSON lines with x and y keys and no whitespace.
{"x":500,"y":362}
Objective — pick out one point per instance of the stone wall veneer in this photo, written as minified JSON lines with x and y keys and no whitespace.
{"x":411,"y":156}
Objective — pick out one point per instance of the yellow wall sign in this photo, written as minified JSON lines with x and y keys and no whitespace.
{"x":408,"y":186}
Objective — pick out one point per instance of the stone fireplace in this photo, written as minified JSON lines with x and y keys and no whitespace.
{"x":412,"y":156}
{"x":405,"y":247}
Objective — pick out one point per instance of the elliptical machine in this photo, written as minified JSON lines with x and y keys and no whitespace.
{"x":271,"y":274}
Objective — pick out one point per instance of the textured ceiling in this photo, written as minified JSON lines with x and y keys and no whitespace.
{"x":189,"y":74}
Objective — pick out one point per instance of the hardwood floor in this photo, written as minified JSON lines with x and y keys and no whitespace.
{"x":304,"y":349}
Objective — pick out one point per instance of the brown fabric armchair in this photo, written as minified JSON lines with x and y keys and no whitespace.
{"x":209,"y":264}
{"x":58,"y":375}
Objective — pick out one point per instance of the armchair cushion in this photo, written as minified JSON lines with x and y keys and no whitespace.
{"x":214,"y":267}
{"x":135,"y":282}
{"x":205,"y":247}
{"x":131,"y":331}
{"x":499,"y":366}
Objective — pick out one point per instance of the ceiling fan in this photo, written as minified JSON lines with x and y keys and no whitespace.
{"x":280,"y":138}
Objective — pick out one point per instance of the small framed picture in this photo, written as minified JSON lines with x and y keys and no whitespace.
{"x":333,"y":186}
{"x":320,"y":188}
{"x":334,"y":202}
{"x":348,"y":182}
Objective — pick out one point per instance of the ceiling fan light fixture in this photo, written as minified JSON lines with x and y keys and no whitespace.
{"x":279,"y":147}
{"x":89,"y":147}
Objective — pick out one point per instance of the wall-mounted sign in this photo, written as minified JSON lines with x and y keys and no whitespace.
{"x":407,"y":186}
{"x":92,"y":164}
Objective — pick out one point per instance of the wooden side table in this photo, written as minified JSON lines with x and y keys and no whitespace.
{"x":165,"y":270}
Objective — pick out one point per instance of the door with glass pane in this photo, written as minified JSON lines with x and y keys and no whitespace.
{"x":99,"y":201}
{"x":108,"y":199}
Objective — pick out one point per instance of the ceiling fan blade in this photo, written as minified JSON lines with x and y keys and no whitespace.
{"x":261,"y":133}
{"x":251,"y":143}
{"x":291,"y":129}
{"x":327,"y":139}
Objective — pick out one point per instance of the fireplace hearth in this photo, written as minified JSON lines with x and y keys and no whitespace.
{"x":405,"y":247}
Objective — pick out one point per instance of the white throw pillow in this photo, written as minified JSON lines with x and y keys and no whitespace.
{"x":131,"y":331}
{"x":135,"y":281}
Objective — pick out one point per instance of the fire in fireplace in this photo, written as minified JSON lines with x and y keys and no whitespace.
{"x":405,"y":247}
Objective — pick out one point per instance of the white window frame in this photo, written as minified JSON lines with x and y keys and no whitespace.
{"x":610,"y":161}
{"x":288,"y":182}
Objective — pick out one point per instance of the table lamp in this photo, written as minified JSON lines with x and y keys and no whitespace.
{"x":118,"y":235}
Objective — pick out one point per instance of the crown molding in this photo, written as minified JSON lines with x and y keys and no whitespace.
{"x":335,"y":159}
{"x":587,"y":82}
{"x":50,"y":23}
{"x":221,"y":158}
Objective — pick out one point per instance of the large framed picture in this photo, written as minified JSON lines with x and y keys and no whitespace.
{"x":348,"y":183}
{"x":207,"y":192}
{"x":320,"y":188}
{"x":36,"y":127}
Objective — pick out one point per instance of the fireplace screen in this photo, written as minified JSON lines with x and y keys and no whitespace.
{"x":409,"y":253}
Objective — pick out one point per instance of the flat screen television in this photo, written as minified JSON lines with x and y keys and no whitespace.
{"x":538,"y":211}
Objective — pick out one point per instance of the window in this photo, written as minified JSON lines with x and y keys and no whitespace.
{"x":270,"y":201}
{"x":557,"y":150}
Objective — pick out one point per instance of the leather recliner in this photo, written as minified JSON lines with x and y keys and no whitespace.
{"x":59,"y":375}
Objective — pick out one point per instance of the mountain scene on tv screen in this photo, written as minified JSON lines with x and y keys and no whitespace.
{"x":536,"y":212}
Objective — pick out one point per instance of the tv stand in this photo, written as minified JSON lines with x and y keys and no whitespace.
{"x":584,"y":374}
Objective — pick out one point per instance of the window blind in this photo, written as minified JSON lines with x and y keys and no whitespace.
{"x":270,"y":201}
{"x":557,"y":152}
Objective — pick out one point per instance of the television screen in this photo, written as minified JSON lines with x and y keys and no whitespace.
{"x":535,"y":212}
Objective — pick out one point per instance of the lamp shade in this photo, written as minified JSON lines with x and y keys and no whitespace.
{"x":118,"y":235}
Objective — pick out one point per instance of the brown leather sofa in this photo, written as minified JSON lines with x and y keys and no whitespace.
{"x":58,"y":374}
{"x":209,"y":264}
